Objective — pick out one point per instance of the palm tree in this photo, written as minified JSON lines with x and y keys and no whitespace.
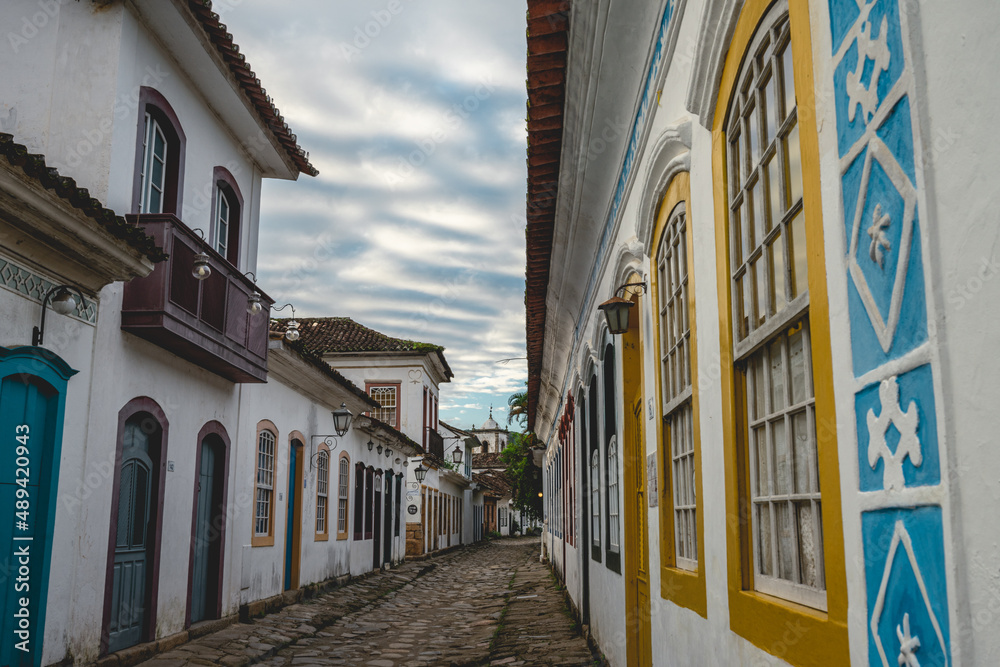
{"x":518,"y":403}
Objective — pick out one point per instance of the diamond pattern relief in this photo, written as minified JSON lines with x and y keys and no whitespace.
{"x":880,"y":277}
{"x":22,"y":281}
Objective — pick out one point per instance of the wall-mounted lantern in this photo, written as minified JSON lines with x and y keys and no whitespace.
{"x":63,"y":301}
{"x":342,"y":419}
{"x":616,"y":309}
{"x":420,"y":473}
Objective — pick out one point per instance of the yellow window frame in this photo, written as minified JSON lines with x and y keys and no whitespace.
{"x":798,"y":634}
{"x":325,"y":535}
{"x":264,"y":540}
{"x":685,"y":588}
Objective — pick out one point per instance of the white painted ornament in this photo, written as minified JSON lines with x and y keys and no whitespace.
{"x":908,"y":645}
{"x":905,"y":423}
{"x":876,"y":50}
{"x":877,"y":233}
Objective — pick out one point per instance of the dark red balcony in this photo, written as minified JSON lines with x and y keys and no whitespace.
{"x":435,"y":443}
{"x":203,"y":321}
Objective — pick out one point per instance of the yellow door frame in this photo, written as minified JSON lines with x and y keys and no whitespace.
{"x":638,"y":645}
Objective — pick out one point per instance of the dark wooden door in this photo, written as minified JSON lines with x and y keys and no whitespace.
{"x":377,"y":546}
{"x":292,"y":521}
{"x":207,"y":533}
{"x":390,"y":509}
{"x":134,"y":537}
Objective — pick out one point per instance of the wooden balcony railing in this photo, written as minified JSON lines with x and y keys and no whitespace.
{"x":203,"y":321}
{"x":435,"y":443}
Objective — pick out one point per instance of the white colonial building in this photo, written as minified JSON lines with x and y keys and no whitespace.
{"x":782,"y":457}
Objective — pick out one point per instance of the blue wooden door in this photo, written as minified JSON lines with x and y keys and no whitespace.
{"x":134,"y":536}
{"x":207,"y":535}
{"x":32,"y":388}
{"x":292,"y":527}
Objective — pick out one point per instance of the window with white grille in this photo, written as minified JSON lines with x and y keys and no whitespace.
{"x":614,"y":527}
{"x":595,"y":496}
{"x":322,"y":489}
{"x":222,"y":209}
{"x":771,"y":319}
{"x":675,"y":378}
{"x":386,"y":397}
{"x":265,"y":484}
{"x":343,"y":480}
{"x":153,"y":170}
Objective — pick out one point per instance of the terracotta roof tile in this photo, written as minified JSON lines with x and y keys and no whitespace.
{"x":261,"y":101}
{"x":487,"y":460}
{"x":332,"y":335}
{"x":34,"y":166}
{"x":548,"y":37}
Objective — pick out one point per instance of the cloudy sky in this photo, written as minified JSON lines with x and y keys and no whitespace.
{"x":413,"y":112}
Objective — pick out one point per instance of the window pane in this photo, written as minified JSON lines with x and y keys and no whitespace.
{"x":793,"y":166}
{"x":797,"y":362}
{"x":760,"y":297}
{"x":777,"y":376}
{"x":753,"y":131}
{"x":776,"y":262}
{"x":775,"y":208}
{"x":770,"y":110}
{"x":757,"y":366}
{"x":782,"y":459}
{"x":802,"y":441}
{"x":808,"y":547}
{"x":763,"y":532}
{"x":789,"y":78}
{"x":797,"y":245}
{"x":786,"y":541}
{"x":736,"y":238}
{"x":763,"y":478}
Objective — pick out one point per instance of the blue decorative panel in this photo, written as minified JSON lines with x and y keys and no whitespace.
{"x":24,"y":282}
{"x":897,"y":432}
{"x":869,"y":67}
{"x":906,"y":588}
{"x":886,"y":287}
{"x":843,"y":14}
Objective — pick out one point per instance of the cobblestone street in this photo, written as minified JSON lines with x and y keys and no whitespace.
{"x":491,"y":604}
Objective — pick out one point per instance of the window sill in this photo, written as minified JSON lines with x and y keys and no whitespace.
{"x":685,"y":588}
{"x":262,"y":541}
{"x":793,"y":632}
{"x":322,"y":537}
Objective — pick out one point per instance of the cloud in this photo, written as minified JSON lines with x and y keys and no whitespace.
{"x":416,"y":122}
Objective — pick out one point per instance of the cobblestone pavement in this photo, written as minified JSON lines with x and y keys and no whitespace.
{"x":490,"y":604}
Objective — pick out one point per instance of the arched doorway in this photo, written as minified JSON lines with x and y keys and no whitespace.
{"x":134,"y":549}
{"x":293,"y":518}
{"x":636,"y":547}
{"x":208,"y":531}
{"x":32,"y":400}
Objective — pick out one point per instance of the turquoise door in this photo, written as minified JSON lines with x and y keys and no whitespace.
{"x":292,"y":527}
{"x":207,"y":534}
{"x":32,"y":397}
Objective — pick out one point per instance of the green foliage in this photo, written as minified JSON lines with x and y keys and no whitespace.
{"x":525,"y":478}
{"x":518,"y":403}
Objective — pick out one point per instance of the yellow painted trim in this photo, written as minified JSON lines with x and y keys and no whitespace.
{"x":682,"y":587}
{"x":797,"y":634}
{"x":343,"y":535}
{"x":325,"y":535}
{"x":637,"y":607}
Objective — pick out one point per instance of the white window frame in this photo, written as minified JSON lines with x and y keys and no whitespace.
{"x":221,"y":220}
{"x":152,"y":130}
{"x":595,"y":496}
{"x":322,"y":491}
{"x":264,"y":506}
{"x":343,"y":489}
{"x":614,"y":513}
{"x":768,"y":269}
{"x":382,"y":411}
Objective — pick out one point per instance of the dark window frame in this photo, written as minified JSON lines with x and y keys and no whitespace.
{"x":152,"y":102}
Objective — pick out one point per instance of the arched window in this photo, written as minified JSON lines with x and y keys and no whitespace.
{"x":359,"y":501}
{"x":771,"y":336}
{"x":614,"y":526}
{"x":369,"y":502}
{"x":594,"y":440}
{"x":322,"y":492}
{"x":160,"y":146}
{"x":263,"y":531}
{"x":676,"y":391}
{"x":343,"y":482}
{"x":611,"y":545}
{"x":227,"y":212}
{"x":595,"y":496}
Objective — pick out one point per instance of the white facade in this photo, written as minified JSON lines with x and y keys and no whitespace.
{"x":639,"y":119}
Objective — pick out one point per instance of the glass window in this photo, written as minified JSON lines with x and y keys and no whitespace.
{"x":675,"y":379}
{"x":265,"y":483}
{"x":222,"y":209}
{"x":343,"y":479}
{"x":322,"y":488}
{"x":613,"y":520}
{"x":386,"y":398}
{"x":771,"y":321}
{"x":153,"y":170}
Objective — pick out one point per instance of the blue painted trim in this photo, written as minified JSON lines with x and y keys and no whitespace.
{"x":55,"y":372}
{"x":638,"y":125}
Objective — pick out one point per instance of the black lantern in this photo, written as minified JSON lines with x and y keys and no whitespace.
{"x":342,"y":419}
{"x":616,"y":309}
{"x":62,"y":300}
{"x":420,"y":472}
{"x":388,"y":452}
{"x":379,"y":449}
{"x":456,"y":455}
{"x":370,"y":444}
